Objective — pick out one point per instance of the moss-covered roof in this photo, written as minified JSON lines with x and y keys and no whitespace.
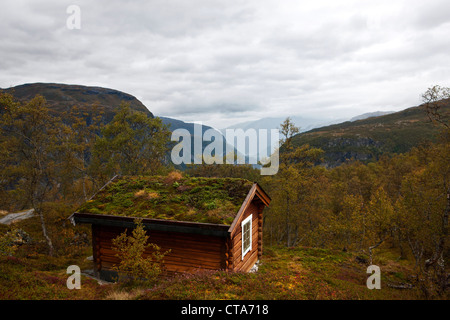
{"x":172,"y":197}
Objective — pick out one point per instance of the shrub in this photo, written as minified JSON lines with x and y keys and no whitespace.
{"x":135,"y":265}
{"x":7,"y":244}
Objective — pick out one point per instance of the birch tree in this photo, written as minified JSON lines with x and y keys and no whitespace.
{"x":29,"y":136}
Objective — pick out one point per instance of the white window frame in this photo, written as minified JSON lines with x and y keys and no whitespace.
{"x":244,"y":222}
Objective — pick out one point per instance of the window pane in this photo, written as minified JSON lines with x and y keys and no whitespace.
{"x":246,"y":235}
{"x":246,"y":230}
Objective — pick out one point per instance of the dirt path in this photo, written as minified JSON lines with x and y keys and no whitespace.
{"x":13,"y":217}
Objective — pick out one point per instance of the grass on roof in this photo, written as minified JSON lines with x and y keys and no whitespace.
{"x":171,"y":197}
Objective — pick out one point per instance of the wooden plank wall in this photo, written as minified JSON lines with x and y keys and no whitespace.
{"x":236,"y":263}
{"x":189,"y":252}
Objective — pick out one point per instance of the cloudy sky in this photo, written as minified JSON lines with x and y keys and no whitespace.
{"x":223,"y":62}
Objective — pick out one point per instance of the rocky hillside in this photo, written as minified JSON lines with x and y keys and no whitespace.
{"x":366,"y":140}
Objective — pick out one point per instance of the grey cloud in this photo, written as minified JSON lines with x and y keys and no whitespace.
{"x":222,"y":108}
{"x":430,"y":14}
{"x":219,"y":60}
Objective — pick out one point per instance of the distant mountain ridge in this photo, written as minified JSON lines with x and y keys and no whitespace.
{"x":189,"y":126}
{"x":303,"y":123}
{"x":179,"y":124}
{"x":370,"y":115}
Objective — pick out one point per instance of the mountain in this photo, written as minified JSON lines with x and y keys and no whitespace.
{"x":370,"y":115}
{"x":364,"y":137}
{"x":366,"y":140}
{"x":62,"y":97}
{"x":303,"y":123}
{"x":178,"y":124}
{"x":274,"y":123}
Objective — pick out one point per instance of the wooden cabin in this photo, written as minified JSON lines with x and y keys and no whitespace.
{"x":207,"y":223}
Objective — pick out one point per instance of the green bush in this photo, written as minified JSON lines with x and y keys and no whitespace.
{"x":7,"y":245}
{"x":134,"y":266}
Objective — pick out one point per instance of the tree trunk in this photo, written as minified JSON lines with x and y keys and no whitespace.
{"x":288,"y":231}
{"x":84,"y":188}
{"x":437,"y":260}
{"x":374,"y":247}
{"x":44,"y":232}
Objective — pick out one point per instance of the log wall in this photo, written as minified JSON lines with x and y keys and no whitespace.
{"x":235,"y":261}
{"x":189,"y":252}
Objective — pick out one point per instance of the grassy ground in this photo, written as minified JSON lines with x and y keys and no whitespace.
{"x":298,"y":273}
{"x":288,"y":274}
{"x":284,"y":274}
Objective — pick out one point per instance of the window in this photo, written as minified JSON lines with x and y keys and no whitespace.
{"x":246,"y":226}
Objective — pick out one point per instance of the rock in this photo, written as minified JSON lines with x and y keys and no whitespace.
{"x":255,"y":267}
{"x":21,"y":237}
